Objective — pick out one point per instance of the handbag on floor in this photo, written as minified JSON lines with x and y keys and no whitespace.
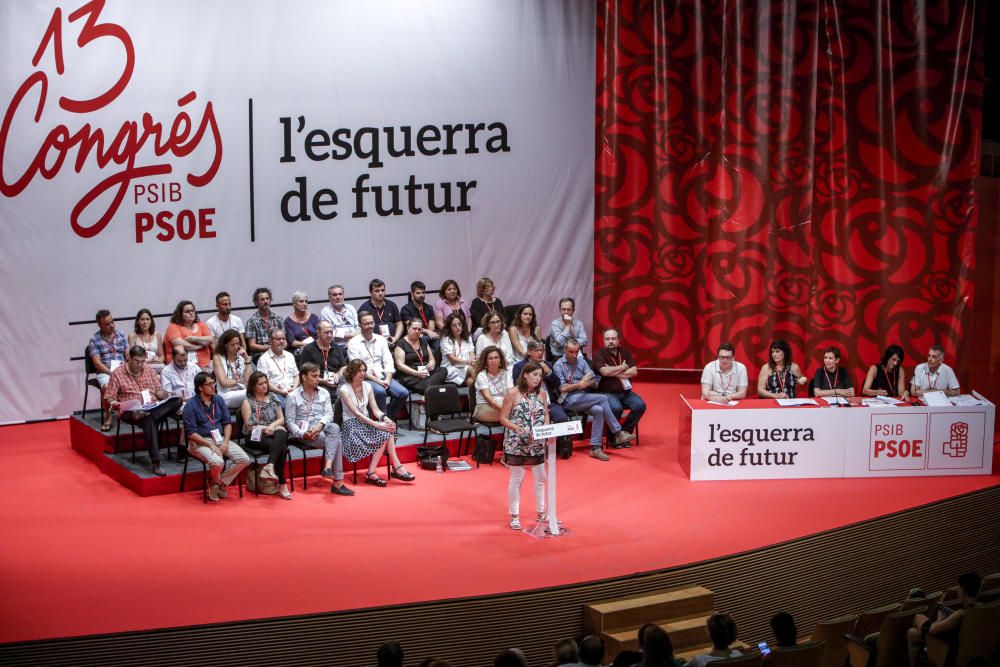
{"x":564,"y":447}
{"x":262,"y":485}
{"x":427,"y":456}
{"x":485,"y":450}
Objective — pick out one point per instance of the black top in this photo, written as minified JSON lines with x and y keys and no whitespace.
{"x":333,"y":361}
{"x":387,"y":314}
{"x":410,"y":356}
{"x":411,"y":312}
{"x":841,"y":379}
{"x":478,"y":308}
{"x":887,"y":382}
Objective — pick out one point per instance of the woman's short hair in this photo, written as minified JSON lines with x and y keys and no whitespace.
{"x":152,"y":322}
{"x":300,"y":295}
{"x":223,"y":341}
{"x":522,"y":382}
{"x":353,"y":368}
{"x":482,"y":284}
{"x":252,"y":382}
{"x":892,"y":350}
{"x":448,"y":283}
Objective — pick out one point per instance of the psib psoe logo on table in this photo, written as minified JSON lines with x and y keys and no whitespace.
{"x":135,"y":160}
{"x":898,"y":442}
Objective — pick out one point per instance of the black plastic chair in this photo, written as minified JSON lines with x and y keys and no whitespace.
{"x":444,"y":415}
{"x":490,"y":425}
{"x":90,"y":371}
{"x":204,"y":472}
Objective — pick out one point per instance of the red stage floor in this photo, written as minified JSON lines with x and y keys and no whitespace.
{"x":83,"y":555}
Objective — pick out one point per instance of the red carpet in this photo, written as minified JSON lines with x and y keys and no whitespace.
{"x":83,"y":555}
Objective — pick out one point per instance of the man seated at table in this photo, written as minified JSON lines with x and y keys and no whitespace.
{"x":388,"y":322}
{"x":279,"y":366}
{"x":831,"y":379}
{"x":935,"y":375}
{"x":724,"y":379}
{"x":575,"y":378}
{"x":138,"y":384}
{"x":224,"y":320}
{"x":327,"y":355}
{"x":261,"y":323}
{"x":343,"y":316}
{"x":617,"y":369}
{"x":536,"y":353}
{"x":418,"y":309}
{"x":566,"y":327}
{"x":177,"y":377}
{"x":209,"y":428}
{"x":107,"y":349}
{"x":373,"y":349}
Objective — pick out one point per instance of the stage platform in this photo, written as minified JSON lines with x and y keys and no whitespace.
{"x":85,"y":555}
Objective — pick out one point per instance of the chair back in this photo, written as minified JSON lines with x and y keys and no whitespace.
{"x":808,"y":654}
{"x":870,"y":621}
{"x":930,"y":601}
{"x":891,"y":648}
{"x":990,"y":581}
{"x":751,"y":659}
{"x":509,"y":311}
{"x":986,"y":596}
{"x":441,"y":400}
{"x":979,"y":636}
{"x":88,"y":363}
{"x":831,"y":633}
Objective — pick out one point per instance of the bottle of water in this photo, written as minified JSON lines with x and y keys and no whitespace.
{"x":437,"y":464}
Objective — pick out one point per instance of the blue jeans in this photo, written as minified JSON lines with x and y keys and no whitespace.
{"x":396,"y":393}
{"x":597,"y":406}
{"x":632,"y":401}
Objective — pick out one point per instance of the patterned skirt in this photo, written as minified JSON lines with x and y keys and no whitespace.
{"x":360,"y":439}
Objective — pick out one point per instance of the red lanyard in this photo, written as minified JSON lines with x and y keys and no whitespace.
{"x":828,"y":380}
{"x":210,"y":417}
{"x":490,"y":307}
{"x":933,"y":385}
{"x":891,"y":385}
{"x":781,"y":381}
{"x":417,"y":351}
{"x":326,"y":355}
{"x":722,"y":380}
{"x":309,"y":403}
{"x":378,"y":313}
{"x":423,"y":315}
{"x":258,"y":408}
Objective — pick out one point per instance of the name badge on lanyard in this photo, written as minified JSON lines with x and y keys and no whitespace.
{"x":626,"y":385}
{"x":383,"y":329}
{"x":147,"y":397}
{"x":216,"y":436}
{"x":257,"y":433}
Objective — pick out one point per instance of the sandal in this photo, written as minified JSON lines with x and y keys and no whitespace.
{"x":515,"y":522}
{"x":406,"y":476}
{"x":106,"y":426}
{"x":267,"y":472}
{"x":373,"y":479}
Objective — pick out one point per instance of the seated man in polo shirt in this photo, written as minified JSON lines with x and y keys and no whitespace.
{"x":209,"y":428}
{"x":724,"y":379}
{"x":617,"y":369}
{"x":388,"y":322}
{"x":133,"y":387}
{"x":935,"y":375}
{"x":107,"y":350}
{"x":373,"y":349}
{"x":327,"y":355}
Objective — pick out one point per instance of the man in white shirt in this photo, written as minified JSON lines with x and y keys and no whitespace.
{"x":177,"y":377}
{"x":279,"y":366}
{"x":343,"y":316}
{"x":724,"y":379}
{"x":224,"y":320}
{"x":373,"y":349}
{"x":935,"y":375}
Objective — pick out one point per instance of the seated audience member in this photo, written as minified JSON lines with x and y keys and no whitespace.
{"x":343,"y":316}
{"x":722,"y":632}
{"x":309,"y":416}
{"x":450,"y":301}
{"x":565,"y":652}
{"x":145,"y":336}
{"x":935,"y":375}
{"x":493,"y":381}
{"x":373,"y":349}
{"x":107,"y":350}
{"x":786,"y":634}
{"x":484,"y":302}
{"x":657,"y":649}
{"x":279,"y":366}
{"x":134,"y":381}
{"x":495,"y":333}
{"x":224,"y":320}
{"x":512,"y":657}
{"x":231,"y":366}
{"x":209,"y":427}
{"x":389,"y":654}
{"x":186,"y":329}
{"x":948,"y":622}
{"x":626,"y":658}
{"x":575,"y":378}
{"x":887,"y":377}
{"x":565,"y":327}
{"x":327,"y":355}
{"x":724,"y":379}
{"x":418,"y":309}
{"x":388,"y":322}
{"x":261,"y":323}
{"x":300,"y":326}
{"x":264,"y":423}
{"x":522,"y":329}
{"x":831,"y":379}
{"x":780,"y":375}
{"x":367,"y":430}
{"x":591,"y":651}
{"x":617,"y":369}
{"x":536,"y":353}
{"x":434,"y":662}
{"x":177,"y":377}
{"x":458,"y":354}
{"x":415,"y":366}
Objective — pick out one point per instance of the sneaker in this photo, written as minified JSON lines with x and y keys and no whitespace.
{"x":596,"y":453}
{"x":158,"y":470}
{"x":213,"y":492}
{"x":326,"y":472}
{"x":623,"y":436}
{"x":222,"y":490}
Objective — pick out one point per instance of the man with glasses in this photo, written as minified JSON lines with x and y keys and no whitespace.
{"x":343,"y":316}
{"x":724,"y":379}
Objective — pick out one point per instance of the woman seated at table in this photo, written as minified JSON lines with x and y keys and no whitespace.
{"x":264,"y":425}
{"x":493,"y":381}
{"x":145,"y":336}
{"x":300,"y":326}
{"x":457,"y":352}
{"x":522,"y":329}
{"x":484,"y":302}
{"x":366,"y":430}
{"x":887,"y":377}
{"x":187,"y":330}
{"x":779,"y":376}
{"x":415,"y":365}
{"x":830,"y":379}
{"x":231,"y":366}
{"x":450,"y":301}
{"x":495,"y":334}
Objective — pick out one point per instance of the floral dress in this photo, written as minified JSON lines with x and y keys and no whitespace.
{"x":523,"y":449}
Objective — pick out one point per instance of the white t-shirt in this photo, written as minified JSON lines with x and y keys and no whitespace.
{"x":728,"y":383}
{"x":497,"y":386}
{"x":281,"y":371}
{"x":943,"y":379}
{"x":218,"y":327}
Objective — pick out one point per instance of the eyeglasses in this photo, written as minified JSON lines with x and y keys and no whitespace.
{"x":725,"y":357}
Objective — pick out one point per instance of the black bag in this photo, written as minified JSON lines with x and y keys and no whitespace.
{"x":486,"y":449}
{"x":564,"y":446}
{"x":427,"y":456}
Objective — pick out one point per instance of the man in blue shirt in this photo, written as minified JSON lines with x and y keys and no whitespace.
{"x":209,"y":426}
{"x":575,"y":379}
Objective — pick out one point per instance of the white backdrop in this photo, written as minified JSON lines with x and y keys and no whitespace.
{"x":107,"y":108}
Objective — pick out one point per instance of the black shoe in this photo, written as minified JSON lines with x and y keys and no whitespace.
{"x":326,"y":472}
{"x":405,"y":475}
{"x":158,"y":470}
{"x":341,"y":490}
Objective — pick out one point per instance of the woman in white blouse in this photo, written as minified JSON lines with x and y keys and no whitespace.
{"x":457,"y":352}
{"x":495,"y":334}
{"x":493,"y":381}
{"x":231,"y":366}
